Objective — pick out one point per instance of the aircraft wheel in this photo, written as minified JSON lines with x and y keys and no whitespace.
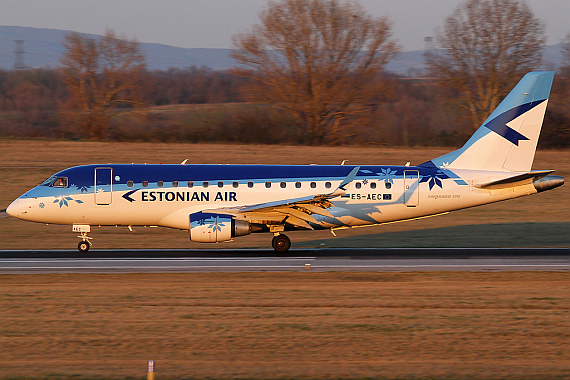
{"x":281,"y":243}
{"x":83,"y":246}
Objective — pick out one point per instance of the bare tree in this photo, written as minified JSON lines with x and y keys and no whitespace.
{"x":102,"y":78}
{"x":484,"y":48}
{"x":319,"y":59}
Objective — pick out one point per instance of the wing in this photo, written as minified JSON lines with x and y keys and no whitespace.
{"x":295,"y":211}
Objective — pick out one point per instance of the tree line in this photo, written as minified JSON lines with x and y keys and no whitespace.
{"x":311,"y":72}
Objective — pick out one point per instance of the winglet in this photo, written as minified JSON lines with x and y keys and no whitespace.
{"x":322,"y":198}
{"x":343,"y":187}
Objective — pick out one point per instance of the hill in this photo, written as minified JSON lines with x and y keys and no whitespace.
{"x":43,"y":48}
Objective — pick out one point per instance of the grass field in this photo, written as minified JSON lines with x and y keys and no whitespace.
{"x":24,"y":163}
{"x":304,"y":325}
{"x":509,"y":325}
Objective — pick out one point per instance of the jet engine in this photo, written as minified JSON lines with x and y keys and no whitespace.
{"x":212,"y":228}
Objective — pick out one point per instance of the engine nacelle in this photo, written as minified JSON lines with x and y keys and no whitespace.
{"x":213,"y":228}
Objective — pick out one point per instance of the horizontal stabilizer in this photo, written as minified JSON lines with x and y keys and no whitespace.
{"x":517,"y":180}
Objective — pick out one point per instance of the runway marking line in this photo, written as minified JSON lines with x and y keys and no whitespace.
{"x":298,"y":267}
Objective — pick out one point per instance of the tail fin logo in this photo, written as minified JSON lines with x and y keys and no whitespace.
{"x":499,"y":124}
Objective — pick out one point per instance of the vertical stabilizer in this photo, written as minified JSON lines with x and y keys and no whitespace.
{"x":507,"y":140}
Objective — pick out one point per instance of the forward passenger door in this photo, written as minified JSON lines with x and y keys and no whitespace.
{"x":103,"y":186}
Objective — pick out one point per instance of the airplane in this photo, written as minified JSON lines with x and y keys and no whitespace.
{"x":218,"y":203}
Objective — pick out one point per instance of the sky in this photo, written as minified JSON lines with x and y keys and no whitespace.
{"x":211,"y":23}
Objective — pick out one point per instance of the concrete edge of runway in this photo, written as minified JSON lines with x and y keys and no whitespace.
{"x":456,"y":253}
{"x":264,"y":260}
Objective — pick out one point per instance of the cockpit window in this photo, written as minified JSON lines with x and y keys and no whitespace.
{"x":55,"y":182}
{"x":47,"y":182}
{"x":60,"y":182}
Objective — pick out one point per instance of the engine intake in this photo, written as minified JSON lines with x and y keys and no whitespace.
{"x":212,"y":228}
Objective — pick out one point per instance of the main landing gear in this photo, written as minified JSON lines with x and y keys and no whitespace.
{"x":281,"y":243}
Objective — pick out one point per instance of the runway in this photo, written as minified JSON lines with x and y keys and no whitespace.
{"x":318,"y":260}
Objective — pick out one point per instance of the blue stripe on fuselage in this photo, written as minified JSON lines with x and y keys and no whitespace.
{"x":83,"y":176}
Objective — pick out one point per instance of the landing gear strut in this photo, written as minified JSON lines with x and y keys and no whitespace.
{"x":84,"y":244}
{"x":281,"y":243}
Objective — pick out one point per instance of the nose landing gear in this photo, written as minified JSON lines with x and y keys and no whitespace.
{"x":84,"y":244}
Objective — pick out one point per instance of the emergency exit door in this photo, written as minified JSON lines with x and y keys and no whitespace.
{"x":411,"y":188}
{"x":103,"y":186}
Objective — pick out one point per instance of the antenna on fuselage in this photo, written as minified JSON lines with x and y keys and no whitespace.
{"x":184,"y":162}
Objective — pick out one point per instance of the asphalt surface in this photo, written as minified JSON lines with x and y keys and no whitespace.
{"x":243,"y":260}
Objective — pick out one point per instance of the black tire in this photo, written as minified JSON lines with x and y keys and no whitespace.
{"x":83,"y":246}
{"x":281,"y":243}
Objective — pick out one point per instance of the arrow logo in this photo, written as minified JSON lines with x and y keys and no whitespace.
{"x":499,"y":123}
{"x":127,"y":196}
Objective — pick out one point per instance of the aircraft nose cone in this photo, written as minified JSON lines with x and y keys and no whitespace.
{"x":13,"y":209}
{"x":18,"y":208}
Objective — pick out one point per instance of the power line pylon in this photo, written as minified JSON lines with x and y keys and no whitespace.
{"x":19,"y":54}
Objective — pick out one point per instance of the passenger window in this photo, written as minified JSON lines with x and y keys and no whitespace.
{"x":388,"y":185}
{"x":205,"y":184}
{"x":268,"y":184}
{"x":60,"y":182}
{"x":174,"y":183}
{"x":250,"y":184}
{"x":220,"y":184}
{"x":313,"y":185}
{"x":328,"y":185}
{"x":283,"y":185}
{"x":160,"y":183}
{"x":358,"y":185}
{"x":130,"y":183}
{"x":145,"y":183}
{"x":372,"y":185}
{"x":298,"y":185}
{"x":190,"y":184}
{"x":235,"y":184}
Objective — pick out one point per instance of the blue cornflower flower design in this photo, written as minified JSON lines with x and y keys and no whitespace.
{"x":434,"y":179}
{"x":83,"y":189}
{"x":387,"y":175}
{"x":216,"y":227}
{"x":63,"y":201}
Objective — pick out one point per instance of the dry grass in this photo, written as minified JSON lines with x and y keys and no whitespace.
{"x":274,"y":325}
{"x":287,"y":325}
{"x":24,"y":163}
